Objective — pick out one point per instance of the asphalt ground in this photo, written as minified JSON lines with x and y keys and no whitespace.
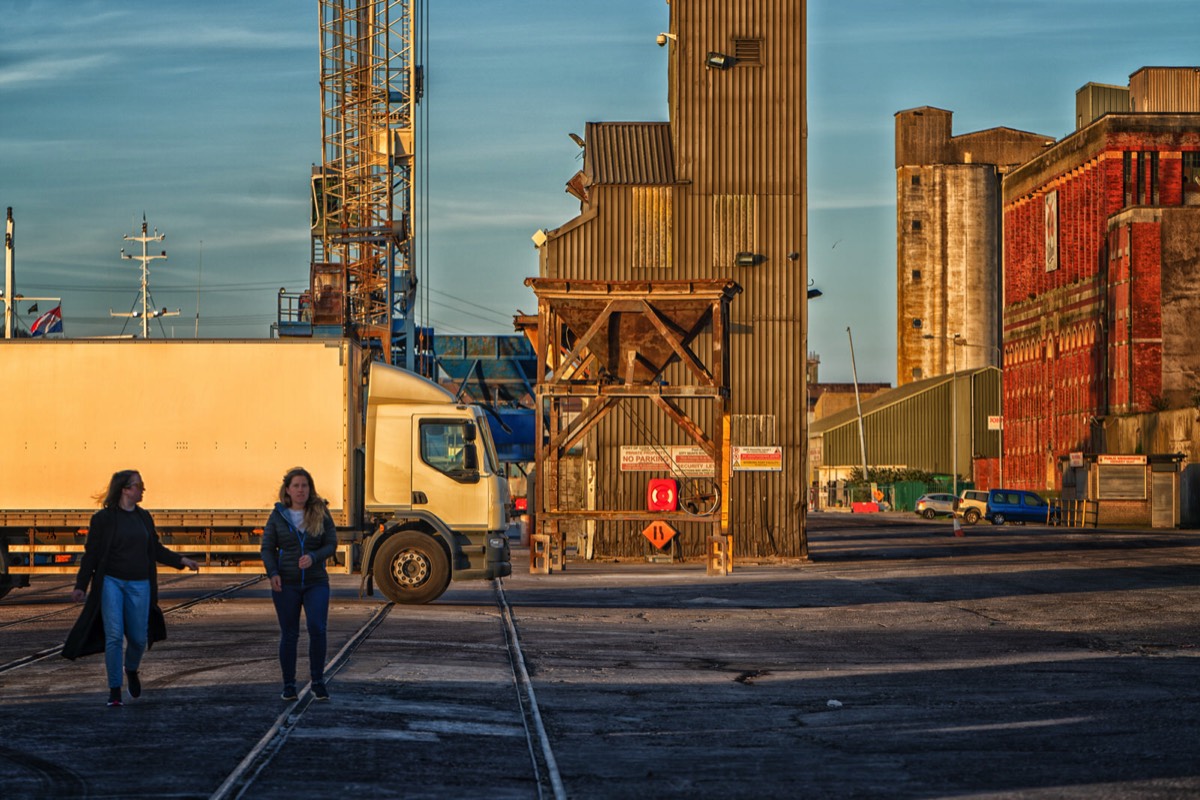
{"x":901,"y":661}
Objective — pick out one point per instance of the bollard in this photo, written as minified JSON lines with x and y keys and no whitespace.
{"x":539,"y":554}
{"x":720,"y":555}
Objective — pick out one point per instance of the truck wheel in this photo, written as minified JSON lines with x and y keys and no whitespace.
{"x":997,"y":519}
{"x":411,"y":568}
{"x":972,"y":516}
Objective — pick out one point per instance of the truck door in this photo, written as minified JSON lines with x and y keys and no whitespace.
{"x":448,"y":472}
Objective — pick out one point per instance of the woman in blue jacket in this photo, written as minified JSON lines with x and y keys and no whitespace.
{"x":298,"y":537}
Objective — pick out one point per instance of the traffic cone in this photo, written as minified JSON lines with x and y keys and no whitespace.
{"x":958,"y":531}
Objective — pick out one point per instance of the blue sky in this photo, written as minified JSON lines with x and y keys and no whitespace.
{"x":205,"y":116}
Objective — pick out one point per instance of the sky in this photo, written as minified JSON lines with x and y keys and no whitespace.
{"x":205,"y":117}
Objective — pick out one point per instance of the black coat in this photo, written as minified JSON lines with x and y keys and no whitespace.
{"x":282,"y":546}
{"x":87,"y":635}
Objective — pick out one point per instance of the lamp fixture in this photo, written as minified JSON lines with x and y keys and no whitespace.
{"x":715,"y":60}
{"x":747,"y":259}
{"x":813,"y":294}
{"x":576,"y":138}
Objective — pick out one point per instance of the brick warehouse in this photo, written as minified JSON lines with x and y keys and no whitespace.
{"x":1102,"y":274}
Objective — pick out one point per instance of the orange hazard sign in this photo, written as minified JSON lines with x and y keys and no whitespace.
{"x":659,"y":533}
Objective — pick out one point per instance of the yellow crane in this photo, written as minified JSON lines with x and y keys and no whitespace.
{"x":362,"y":280}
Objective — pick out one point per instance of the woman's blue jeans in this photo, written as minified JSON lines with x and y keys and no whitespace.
{"x":314,"y":599}
{"x":125,"y":606}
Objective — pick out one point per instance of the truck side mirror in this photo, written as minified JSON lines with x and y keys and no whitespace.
{"x":469,"y":432}
{"x":470,"y":458}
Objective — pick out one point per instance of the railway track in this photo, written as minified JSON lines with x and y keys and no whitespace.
{"x":501,"y":711}
{"x":67,"y":605}
{"x":542,"y":764}
{"x":50,"y":652}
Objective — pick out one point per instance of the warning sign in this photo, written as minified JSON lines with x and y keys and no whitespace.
{"x":659,"y":533}
{"x":757,"y":459}
{"x":644,"y":459}
{"x":676,"y":459}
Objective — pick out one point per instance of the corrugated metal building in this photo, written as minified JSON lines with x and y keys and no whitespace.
{"x":721,"y":183}
{"x":1094,"y":100}
{"x":913,"y":427}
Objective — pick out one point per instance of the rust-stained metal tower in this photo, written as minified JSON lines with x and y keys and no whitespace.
{"x":661,"y":346}
{"x":363,"y":251}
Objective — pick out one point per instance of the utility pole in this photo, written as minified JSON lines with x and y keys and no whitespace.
{"x":145,"y":258}
{"x":862,"y":439}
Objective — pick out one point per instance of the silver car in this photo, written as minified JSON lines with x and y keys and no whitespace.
{"x":933,"y":505}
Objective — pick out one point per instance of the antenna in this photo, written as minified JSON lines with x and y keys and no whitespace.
{"x":145,"y":258}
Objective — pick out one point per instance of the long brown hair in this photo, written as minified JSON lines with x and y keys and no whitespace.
{"x":314,"y":509}
{"x":111,"y":497}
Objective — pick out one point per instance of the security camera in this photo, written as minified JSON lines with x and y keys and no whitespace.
{"x":662,"y":38}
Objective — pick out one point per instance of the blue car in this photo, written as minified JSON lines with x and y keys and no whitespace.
{"x":1016,"y":505}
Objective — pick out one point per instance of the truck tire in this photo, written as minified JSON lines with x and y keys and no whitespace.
{"x":411,"y":568}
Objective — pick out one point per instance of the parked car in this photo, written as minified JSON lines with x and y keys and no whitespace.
{"x":972,"y":505}
{"x":1016,"y":505}
{"x":933,"y":505}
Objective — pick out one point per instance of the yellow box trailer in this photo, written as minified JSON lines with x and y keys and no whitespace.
{"x":411,"y":477}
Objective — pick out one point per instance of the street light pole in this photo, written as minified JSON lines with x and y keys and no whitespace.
{"x":955,"y":341}
{"x":954,"y":421}
{"x":999,"y":395}
{"x":1000,"y":402}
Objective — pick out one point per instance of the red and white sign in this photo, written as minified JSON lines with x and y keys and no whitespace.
{"x":684,"y":460}
{"x":1076,"y":459}
{"x":757,"y":459}
{"x":1128,"y":461}
{"x":662,"y":494}
{"x":995,"y":422}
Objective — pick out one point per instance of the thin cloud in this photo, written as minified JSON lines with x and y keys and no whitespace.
{"x":50,"y":70}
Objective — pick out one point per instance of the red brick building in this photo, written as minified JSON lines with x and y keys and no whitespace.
{"x":1102,"y":276}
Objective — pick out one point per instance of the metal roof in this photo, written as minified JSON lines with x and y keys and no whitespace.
{"x":629,"y":153}
{"x":885,"y":400}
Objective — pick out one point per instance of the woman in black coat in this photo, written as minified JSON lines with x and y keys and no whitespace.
{"x":119,"y":560}
{"x":298,"y":537}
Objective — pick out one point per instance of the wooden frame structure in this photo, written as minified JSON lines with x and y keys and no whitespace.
{"x":607,"y":341}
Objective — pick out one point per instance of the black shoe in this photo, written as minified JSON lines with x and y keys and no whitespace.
{"x":135,"y":685}
{"x":320,"y":692}
{"x":289,"y":692}
{"x":114,"y":698}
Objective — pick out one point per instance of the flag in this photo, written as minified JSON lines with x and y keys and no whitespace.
{"x":32,"y":309}
{"x":50,"y":322}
